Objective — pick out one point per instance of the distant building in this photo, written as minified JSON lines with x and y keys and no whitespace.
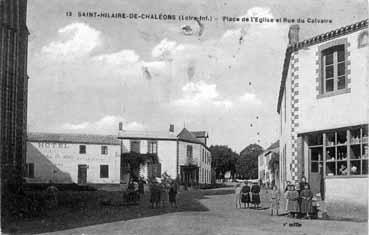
{"x":264,"y":173}
{"x":323,"y":108}
{"x":73,"y":158}
{"x":184,"y":156}
{"x":13,"y":87}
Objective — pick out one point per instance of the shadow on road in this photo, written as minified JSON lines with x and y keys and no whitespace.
{"x":90,"y":211}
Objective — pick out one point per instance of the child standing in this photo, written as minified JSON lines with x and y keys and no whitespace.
{"x":275,"y":200}
{"x":306,"y":201}
{"x":292,"y":197}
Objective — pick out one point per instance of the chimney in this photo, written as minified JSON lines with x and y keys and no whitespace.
{"x":293,"y":34}
{"x":171,"y":128}
{"x":120,"y":126}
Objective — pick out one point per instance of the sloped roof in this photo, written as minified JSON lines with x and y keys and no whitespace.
{"x":273,"y":146}
{"x":73,"y":138}
{"x":312,"y":41}
{"x":187,"y":135}
{"x":200,"y":134}
{"x":146,"y":135}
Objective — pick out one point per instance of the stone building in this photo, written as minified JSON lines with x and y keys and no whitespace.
{"x":323,"y":108}
{"x":13,"y":87}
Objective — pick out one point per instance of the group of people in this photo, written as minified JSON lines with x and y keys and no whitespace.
{"x":246,"y":194}
{"x":299,"y":199}
{"x":161,"y":193}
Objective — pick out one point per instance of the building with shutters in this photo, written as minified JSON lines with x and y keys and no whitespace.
{"x":73,"y":158}
{"x":323,"y":108}
{"x":184,"y":156}
{"x":13,"y":88}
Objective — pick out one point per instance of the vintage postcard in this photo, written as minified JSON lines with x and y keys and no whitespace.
{"x":184,"y":117}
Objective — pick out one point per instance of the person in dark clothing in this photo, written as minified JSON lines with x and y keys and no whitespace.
{"x":255,"y":190}
{"x":141,"y":188}
{"x":301,"y":186}
{"x":245,"y":195}
{"x":173,"y":195}
{"x":306,"y":201}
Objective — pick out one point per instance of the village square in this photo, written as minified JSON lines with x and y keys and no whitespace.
{"x":224,"y":117}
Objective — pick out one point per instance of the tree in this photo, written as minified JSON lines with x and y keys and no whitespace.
{"x":247,"y":164}
{"x":223,"y":160}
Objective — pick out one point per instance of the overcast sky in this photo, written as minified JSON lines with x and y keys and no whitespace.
{"x":87,"y":74}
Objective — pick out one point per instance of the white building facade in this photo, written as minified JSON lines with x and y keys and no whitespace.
{"x":72,"y":158}
{"x":184,"y":156}
{"x":323,"y":108}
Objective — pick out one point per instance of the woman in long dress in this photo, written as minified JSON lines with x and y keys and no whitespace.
{"x":275,"y":200}
{"x":237,"y":195}
{"x":292,"y":197}
{"x":245,"y":195}
{"x":306,"y":201}
{"x":255,"y":190}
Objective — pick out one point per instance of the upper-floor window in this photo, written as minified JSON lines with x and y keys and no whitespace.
{"x":333,"y":68}
{"x":82,"y":149}
{"x":104,"y":150}
{"x":189,"y":152}
{"x":152,"y":147}
{"x":135,"y":146}
{"x":363,"y":39}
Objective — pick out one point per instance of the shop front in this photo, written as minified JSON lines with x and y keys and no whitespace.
{"x":337,"y":167}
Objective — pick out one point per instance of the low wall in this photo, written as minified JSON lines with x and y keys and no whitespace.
{"x":347,"y":198}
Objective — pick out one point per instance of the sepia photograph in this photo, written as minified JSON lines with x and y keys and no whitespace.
{"x":184,"y":117}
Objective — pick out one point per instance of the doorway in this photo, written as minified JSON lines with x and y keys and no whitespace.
{"x":82,"y":174}
{"x":190,"y":175}
{"x":316,"y":168}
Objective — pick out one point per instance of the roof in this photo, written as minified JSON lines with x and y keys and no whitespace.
{"x":188,"y":136}
{"x":146,"y":135}
{"x":200,"y":134}
{"x":313,"y":41}
{"x":273,"y":146}
{"x":73,"y":138}
{"x":185,"y":135}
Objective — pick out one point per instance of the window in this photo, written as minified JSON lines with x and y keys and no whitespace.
{"x":363,"y":39}
{"x":343,"y":151}
{"x":189,"y":152}
{"x":82,"y":149}
{"x":152,"y":147}
{"x":333,"y":72}
{"x":104,"y":150}
{"x":135,"y":146}
{"x":30,"y":170}
{"x":104,"y":171}
{"x":334,"y":68}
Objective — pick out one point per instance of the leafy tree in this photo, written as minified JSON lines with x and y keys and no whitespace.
{"x":247,"y":164}
{"x":223,"y":159}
